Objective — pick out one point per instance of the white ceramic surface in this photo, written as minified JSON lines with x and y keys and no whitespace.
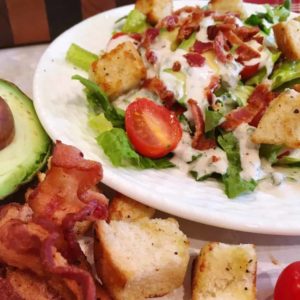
{"x":61,"y":107}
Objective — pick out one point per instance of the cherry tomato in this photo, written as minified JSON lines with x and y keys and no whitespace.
{"x":288,"y":283}
{"x":153,"y":130}
{"x":249,"y":71}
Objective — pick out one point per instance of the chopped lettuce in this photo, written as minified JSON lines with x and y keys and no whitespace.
{"x":99,"y":123}
{"x":212,"y":119}
{"x":287,"y":73}
{"x":188,"y":43}
{"x":135,"y":22}
{"x":258,"y":77}
{"x":270,"y":152}
{"x":242,"y":93}
{"x":118,"y":149}
{"x":80,"y":57}
{"x":99,"y":102}
{"x":234,"y":184}
{"x":272,"y":15}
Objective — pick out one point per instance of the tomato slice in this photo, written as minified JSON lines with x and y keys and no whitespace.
{"x":288,"y":283}
{"x":153,"y":130}
{"x":249,"y":71}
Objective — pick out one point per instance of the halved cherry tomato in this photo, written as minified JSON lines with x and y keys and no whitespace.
{"x":288,"y":283}
{"x":153,"y":130}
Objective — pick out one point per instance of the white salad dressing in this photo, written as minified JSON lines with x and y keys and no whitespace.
{"x":113,"y":43}
{"x":249,"y":153}
{"x":230,"y":72}
{"x":202,"y":33}
{"x":203,"y":162}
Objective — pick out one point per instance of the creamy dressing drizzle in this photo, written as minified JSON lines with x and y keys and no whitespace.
{"x":249,"y":153}
{"x":205,"y":164}
{"x":202,"y":33}
{"x":230,"y":72}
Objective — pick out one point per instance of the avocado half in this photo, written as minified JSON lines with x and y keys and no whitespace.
{"x":30,"y":147}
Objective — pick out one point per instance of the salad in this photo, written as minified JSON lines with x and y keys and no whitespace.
{"x":195,"y":91}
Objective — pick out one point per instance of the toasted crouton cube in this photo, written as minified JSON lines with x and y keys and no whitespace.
{"x":287,"y":35}
{"x":225,"y":272}
{"x":280,"y":125}
{"x":141,"y":259}
{"x":155,"y":10}
{"x":223,"y":6}
{"x":127,"y":209}
{"x":119,"y":70}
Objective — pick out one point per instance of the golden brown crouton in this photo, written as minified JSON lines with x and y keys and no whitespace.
{"x":119,"y":70}
{"x":287,"y":35}
{"x":154,"y":9}
{"x":141,"y":259}
{"x":280,"y":125}
{"x":225,"y":272}
{"x":223,"y":6}
{"x":127,"y":209}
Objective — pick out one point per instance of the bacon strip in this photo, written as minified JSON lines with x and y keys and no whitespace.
{"x":195,"y":59}
{"x":200,"y":47}
{"x":246,"y":33}
{"x":149,"y":37}
{"x":257,"y":103}
{"x":199,"y":142}
{"x":219,"y":46}
{"x":67,"y":186}
{"x":246,"y":53}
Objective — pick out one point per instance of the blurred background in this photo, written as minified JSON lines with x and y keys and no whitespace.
{"x":37,"y":21}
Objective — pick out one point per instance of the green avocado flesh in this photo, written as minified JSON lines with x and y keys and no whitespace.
{"x":29,"y":149}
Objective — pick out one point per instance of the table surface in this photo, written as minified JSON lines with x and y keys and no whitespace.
{"x":274,"y":252}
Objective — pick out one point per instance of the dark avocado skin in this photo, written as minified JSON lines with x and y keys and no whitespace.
{"x":7,"y":125}
{"x":29,"y":147}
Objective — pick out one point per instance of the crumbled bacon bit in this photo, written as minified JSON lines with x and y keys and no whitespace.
{"x":214,"y":83}
{"x":199,"y":141}
{"x":176,"y":66}
{"x":249,"y":71}
{"x":149,"y":37}
{"x":246,"y":33}
{"x":169,"y":22}
{"x":195,"y":59}
{"x":151,"y":56}
{"x":201,"y":47}
{"x":215,"y":158}
{"x":246,"y":53}
{"x":219,"y":46}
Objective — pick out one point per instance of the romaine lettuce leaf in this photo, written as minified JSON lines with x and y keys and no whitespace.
{"x":212,"y":119}
{"x":188,"y":43}
{"x":270,"y":152}
{"x":135,"y":22}
{"x":118,"y":149}
{"x":258,"y":77}
{"x":80,"y":57}
{"x":234,"y":184}
{"x":242,"y":93}
{"x":272,"y":15}
{"x":99,"y":123}
{"x":99,"y":102}
{"x":287,"y":72}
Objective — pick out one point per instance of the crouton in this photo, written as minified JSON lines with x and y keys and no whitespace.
{"x":223,"y":6}
{"x":155,"y":10}
{"x":141,"y":259}
{"x":287,"y":36}
{"x":225,"y":272}
{"x":280,"y":125}
{"x":119,"y":71}
{"x":127,"y":209}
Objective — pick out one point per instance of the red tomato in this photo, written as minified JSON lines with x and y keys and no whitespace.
{"x":153,"y":130}
{"x":288,"y":283}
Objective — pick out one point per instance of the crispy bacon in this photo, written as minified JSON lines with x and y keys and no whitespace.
{"x":190,"y":24}
{"x":249,"y":71}
{"x":176,"y":66}
{"x":79,"y":281}
{"x":195,"y":59}
{"x":214,"y":83}
{"x":199,"y":141}
{"x":246,"y":53}
{"x":151,"y":56}
{"x":68,"y":185}
{"x":233,"y":38}
{"x":149,"y":37}
{"x":219,"y":46}
{"x":156,"y":86}
{"x":256,"y":105}
{"x":169,"y":22}
{"x":246,"y":33}
{"x":200,"y":47}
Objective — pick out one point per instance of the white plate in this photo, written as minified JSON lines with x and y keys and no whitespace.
{"x":61,"y":107}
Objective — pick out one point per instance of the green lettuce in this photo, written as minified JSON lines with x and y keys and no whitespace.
{"x":241,"y":94}
{"x":212,"y":119}
{"x":118,"y":149}
{"x":188,"y":43}
{"x":234,"y":184}
{"x":270,"y":152}
{"x":272,"y":16}
{"x":287,"y":74}
{"x":80,"y":57}
{"x":135,"y":22}
{"x":99,"y":123}
{"x":99,"y":102}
